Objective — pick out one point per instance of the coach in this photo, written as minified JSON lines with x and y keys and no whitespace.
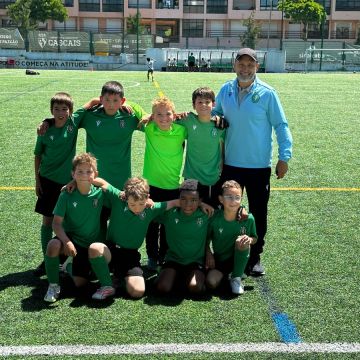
{"x":253,"y":110}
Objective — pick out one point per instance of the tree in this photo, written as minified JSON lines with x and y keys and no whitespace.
{"x":248,"y":39}
{"x":303,"y":11}
{"x":27,"y":14}
{"x":134,"y":23}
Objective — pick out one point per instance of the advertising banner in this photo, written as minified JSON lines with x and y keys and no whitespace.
{"x":11,"y":39}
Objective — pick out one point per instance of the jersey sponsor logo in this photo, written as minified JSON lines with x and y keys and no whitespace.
{"x":95,"y":203}
{"x":122,"y":123}
{"x":177,"y":221}
{"x":51,"y":137}
{"x":194,"y":127}
{"x":221,"y":230}
{"x":74,"y":204}
{"x":243,"y":230}
{"x":214,"y":132}
{"x":98,"y":122}
{"x":255,"y":98}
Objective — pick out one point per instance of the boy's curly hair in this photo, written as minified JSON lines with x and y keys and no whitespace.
{"x":163,"y":101}
{"x":62,"y":98}
{"x":230,"y":184}
{"x":137,"y":187}
{"x":84,"y":158}
{"x":189,"y":185}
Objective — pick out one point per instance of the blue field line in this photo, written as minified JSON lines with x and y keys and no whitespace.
{"x":285,"y":328}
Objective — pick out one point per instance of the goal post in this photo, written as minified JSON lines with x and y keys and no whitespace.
{"x":346,"y":59}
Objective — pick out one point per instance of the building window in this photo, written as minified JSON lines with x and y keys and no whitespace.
{"x":268,"y":4}
{"x":193,"y":6}
{"x":347,"y":5}
{"x":244,"y":5}
{"x":193,"y":28}
{"x":217,"y":7}
{"x":112,"y":5}
{"x":68,"y":3}
{"x":326,"y":4}
{"x":143,"y":4}
{"x":5,"y":3}
{"x":89,"y":5}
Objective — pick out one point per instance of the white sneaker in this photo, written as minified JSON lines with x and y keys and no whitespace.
{"x":236,"y":286}
{"x":52,"y":293}
{"x":103,"y":293}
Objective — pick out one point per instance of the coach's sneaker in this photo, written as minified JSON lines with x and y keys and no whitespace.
{"x":52,"y":293}
{"x":236,"y":286}
{"x":257,"y":269}
{"x":103,"y":293}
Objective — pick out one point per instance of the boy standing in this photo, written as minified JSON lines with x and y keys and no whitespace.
{"x":231,"y":240}
{"x":77,"y":227}
{"x":162,"y":167}
{"x":53,"y":156}
{"x":204,"y":148}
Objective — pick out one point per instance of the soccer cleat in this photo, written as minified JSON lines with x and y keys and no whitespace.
{"x":52,"y":293}
{"x":236,"y":286}
{"x":103,"y":293}
{"x":257,"y":269}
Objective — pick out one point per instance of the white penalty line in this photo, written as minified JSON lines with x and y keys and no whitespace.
{"x":143,"y":349}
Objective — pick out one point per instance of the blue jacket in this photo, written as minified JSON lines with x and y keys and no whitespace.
{"x":248,"y":141}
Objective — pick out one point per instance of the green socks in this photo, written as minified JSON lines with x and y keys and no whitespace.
{"x":240,"y":261}
{"x":46,"y":234}
{"x":52,"y":269}
{"x":101,"y":270}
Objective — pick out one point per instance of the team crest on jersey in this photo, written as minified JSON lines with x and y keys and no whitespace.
{"x":122,"y":123}
{"x":142,"y":215}
{"x":70,"y":128}
{"x":95,"y":203}
{"x":98,"y":122}
{"x":214,"y":132}
{"x":74,"y":204}
{"x":199,"y":221}
{"x":255,"y":98}
{"x":126,"y":209}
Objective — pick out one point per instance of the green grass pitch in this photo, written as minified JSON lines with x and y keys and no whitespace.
{"x":312,"y":247}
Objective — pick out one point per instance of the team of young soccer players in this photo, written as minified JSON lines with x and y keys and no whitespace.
{"x":201,"y":248}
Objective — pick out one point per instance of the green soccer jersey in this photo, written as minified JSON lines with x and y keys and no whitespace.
{"x":203,"y":150}
{"x":223,"y":233}
{"x":185,"y":236}
{"x":109,"y":139}
{"x":127,"y":229}
{"x":163,"y":155}
{"x":57,"y":150}
{"x":81,"y":215}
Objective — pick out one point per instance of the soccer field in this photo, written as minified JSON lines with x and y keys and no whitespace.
{"x":307,"y":306}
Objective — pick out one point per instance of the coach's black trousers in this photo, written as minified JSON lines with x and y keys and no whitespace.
{"x":257,"y":185}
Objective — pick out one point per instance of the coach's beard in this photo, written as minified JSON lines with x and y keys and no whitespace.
{"x":245,"y":79}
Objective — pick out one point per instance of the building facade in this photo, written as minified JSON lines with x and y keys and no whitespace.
{"x":201,"y":23}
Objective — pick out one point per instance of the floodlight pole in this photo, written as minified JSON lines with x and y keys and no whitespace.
{"x":137,"y":32}
{"x":322,"y":35}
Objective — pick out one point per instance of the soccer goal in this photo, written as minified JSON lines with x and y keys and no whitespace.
{"x":347,"y":59}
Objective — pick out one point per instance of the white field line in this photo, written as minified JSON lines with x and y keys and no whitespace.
{"x":134,"y":349}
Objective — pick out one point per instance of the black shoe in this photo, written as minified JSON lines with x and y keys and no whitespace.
{"x":40,"y":270}
{"x":257,"y":269}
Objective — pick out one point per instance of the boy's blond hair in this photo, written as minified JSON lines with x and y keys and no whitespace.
{"x":84,"y":158}
{"x":204,"y":93}
{"x":230,"y":184}
{"x":163,"y":101}
{"x":137,"y":187}
{"x":62,"y":98}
